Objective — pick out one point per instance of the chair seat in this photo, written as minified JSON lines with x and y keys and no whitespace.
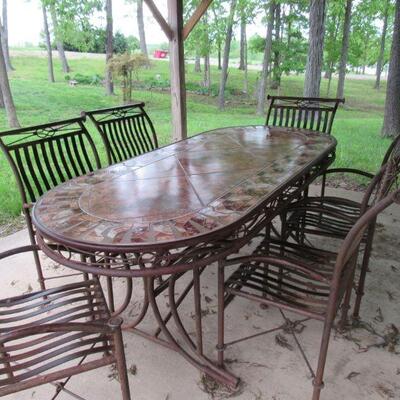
{"x":75,"y":302}
{"x":36,"y":334}
{"x":327,"y":216}
{"x":304,"y":288}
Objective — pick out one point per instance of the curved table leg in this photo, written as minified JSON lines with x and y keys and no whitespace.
{"x":194,"y":353}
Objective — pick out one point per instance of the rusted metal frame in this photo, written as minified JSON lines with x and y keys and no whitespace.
{"x":194,"y":19}
{"x":25,"y":380}
{"x":136,"y":128}
{"x":281,"y":198}
{"x":151,"y":125}
{"x":119,"y":140}
{"x":192,"y":356}
{"x":299,"y":106}
{"x":127,"y":137}
{"x":17,"y":166}
{"x":340,"y":283}
{"x":126,"y":131}
{"x":130,"y":137}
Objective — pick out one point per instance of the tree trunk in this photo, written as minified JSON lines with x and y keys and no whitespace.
{"x":344,"y":50}
{"x":225,"y":61}
{"x":315,"y":49}
{"x":391,"y":121}
{"x":197,"y":62}
{"x":4,"y":38}
{"x":219,"y":57}
{"x":1,"y":99}
{"x":243,"y":43}
{"x":207,"y":73}
{"x":140,"y":22}
{"x":50,"y":67}
{"x":6,"y":93}
{"x":59,"y":43}
{"x":276,"y":76}
{"x":246,"y":71}
{"x":109,"y":48}
{"x":266,"y":60}
{"x":379,"y":63}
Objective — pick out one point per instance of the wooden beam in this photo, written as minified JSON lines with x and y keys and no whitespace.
{"x":194,"y":19}
{"x":160,"y":19}
{"x":177,"y":70}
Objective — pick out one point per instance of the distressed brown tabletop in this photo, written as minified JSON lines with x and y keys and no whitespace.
{"x":180,"y":191}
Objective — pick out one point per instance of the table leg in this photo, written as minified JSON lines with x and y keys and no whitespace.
{"x":193,"y":352}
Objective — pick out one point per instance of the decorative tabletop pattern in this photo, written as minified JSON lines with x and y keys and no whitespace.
{"x":180,"y":191}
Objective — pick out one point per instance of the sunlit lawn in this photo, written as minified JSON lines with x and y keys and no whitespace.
{"x":357,"y":126}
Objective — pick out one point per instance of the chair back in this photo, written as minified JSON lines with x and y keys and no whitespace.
{"x":312,"y":113}
{"x":127,"y":131}
{"x":348,"y":251}
{"x":44,"y":156}
{"x":393,"y":146}
{"x":386,"y":180}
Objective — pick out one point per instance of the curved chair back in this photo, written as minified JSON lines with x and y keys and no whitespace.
{"x":44,"y":156}
{"x":127,"y":131}
{"x":313,"y":113}
{"x":350,"y":246}
{"x":394,"y":146}
{"x":385,"y":180}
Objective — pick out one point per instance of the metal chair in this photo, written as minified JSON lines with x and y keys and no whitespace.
{"x":295,"y":277}
{"x":43,"y":156}
{"x":127,"y":131}
{"x":312,"y":113}
{"x":330,"y":216}
{"x":53,"y":334}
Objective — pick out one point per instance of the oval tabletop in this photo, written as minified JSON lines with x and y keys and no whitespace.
{"x":181,"y":191}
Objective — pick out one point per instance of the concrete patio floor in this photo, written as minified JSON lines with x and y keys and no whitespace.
{"x":363,"y":363}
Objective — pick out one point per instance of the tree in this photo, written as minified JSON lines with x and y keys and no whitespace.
{"x":391,"y":120}
{"x":140,"y":22}
{"x":109,"y":47}
{"x":344,"y":49}
{"x":126,"y":67}
{"x":50,"y":67}
{"x":219,"y":27}
{"x":4,"y":36}
{"x":315,"y":49}
{"x":379,"y":63}
{"x":6,"y":92}
{"x":225,"y":60}
{"x":266,"y":59}
{"x":243,"y":41}
{"x":276,"y":47}
{"x":59,"y":43}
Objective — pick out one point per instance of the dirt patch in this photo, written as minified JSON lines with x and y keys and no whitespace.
{"x":10,"y":225}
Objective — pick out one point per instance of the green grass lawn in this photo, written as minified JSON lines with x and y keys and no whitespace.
{"x":357,"y":125}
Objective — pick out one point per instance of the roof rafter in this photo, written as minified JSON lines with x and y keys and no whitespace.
{"x":194,"y":19}
{"x":160,"y":19}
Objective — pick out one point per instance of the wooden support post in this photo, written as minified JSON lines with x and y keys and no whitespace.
{"x":177,"y":70}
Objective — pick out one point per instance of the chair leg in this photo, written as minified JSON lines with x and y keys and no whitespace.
{"x":116,"y":323}
{"x":363,"y":272}
{"x":221,"y":313}
{"x":36,"y":257}
{"x":318,"y":382}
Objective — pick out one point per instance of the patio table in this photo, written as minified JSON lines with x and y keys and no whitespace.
{"x":179,"y":208}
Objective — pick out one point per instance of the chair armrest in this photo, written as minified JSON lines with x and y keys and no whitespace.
{"x":19,"y":250}
{"x":348,"y":171}
{"x":284,"y":262}
{"x":105,"y":327}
